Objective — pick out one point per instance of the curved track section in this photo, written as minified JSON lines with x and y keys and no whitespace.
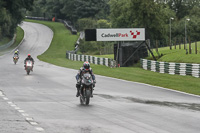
{"x":45,"y":101}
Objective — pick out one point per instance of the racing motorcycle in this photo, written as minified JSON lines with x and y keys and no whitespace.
{"x":86,"y":88}
{"x":28,"y":66}
{"x":15,"y":59}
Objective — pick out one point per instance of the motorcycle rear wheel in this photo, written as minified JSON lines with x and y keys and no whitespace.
{"x":28,"y":72}
{"x":15,"y":61}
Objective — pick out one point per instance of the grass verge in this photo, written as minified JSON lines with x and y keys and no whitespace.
{"x":56,"y":55}
{"x":19,"y":37}
{"x":179,"y":54}
{"x":5,"y":40}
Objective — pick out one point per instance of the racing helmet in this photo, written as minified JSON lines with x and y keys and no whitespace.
{"x":16,"y":52}
{"x":29,"y":55}
{"x":86,"y":65}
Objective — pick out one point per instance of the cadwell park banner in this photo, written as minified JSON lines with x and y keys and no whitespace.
{"x":127,"y":34}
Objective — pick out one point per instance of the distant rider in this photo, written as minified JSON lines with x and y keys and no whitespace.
{"x":16,"y":54}
{"x":86,"y":68}
{"x":17,"y":51}
{"x":29,"y":58}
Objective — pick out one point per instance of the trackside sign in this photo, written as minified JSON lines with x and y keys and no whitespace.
{"x":127,"y":34}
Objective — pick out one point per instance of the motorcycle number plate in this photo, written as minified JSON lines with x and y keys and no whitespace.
{"x":28,"y":64}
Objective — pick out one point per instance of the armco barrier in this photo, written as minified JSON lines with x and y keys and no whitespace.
{"x":95,"y":60}
{"x":171,"y":68}
{"x":5,"y":46}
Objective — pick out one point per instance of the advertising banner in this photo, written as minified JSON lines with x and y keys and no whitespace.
{"x":127,"y":34}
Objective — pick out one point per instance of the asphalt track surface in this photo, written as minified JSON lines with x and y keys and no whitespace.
{"x":45,"y":101}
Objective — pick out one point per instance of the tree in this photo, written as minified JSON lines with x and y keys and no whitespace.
{"x":39,"y":9}
{"x":12,"y":14}
{"x":103,"y":23}
{"x":141,"y":14}
{"x":86,"y":23}
{"x":181,"y":7}
{"x":78,"y":9}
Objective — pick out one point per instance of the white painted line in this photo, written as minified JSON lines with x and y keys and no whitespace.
{"x":5,"y":98}
{"x":10,"y":103}
{"x":33,"y":123}
{"x":21,"y":111}
{"x":13,"y":105}
{"x":26,"y":115}
{"x":39,"y":129}
{"x":17,"y":108}
{"x":29,"y":119}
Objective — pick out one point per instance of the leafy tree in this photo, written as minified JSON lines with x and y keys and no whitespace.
{"x":53,"y":7}
{"x":141,"y":14}
{"x":120,"y":15}
{"x":5,"y":21}
{"x":181,"y":7}
{"x":103,"y":23}
{"x":12,"y":14}
{"x":38,"y":9}
{"x":86,"y":23}
{"x":77,"y":9}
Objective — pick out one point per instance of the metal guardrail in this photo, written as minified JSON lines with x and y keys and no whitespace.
{"x":71,"y":28}
{"x":171,"y":67}
{"x":7,"y":45}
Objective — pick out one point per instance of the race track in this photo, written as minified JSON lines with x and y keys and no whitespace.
{"x":45,"y":101}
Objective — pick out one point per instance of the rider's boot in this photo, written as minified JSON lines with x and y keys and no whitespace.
{"x":77,"y":93}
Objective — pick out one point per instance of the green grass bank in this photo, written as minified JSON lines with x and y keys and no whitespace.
{"x":179,"y":54}
{"x":19,"y":37}
{"x":4,"y":40}
{"x":63,"y":40}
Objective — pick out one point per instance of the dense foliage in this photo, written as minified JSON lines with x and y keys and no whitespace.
{"x":11,"y":14}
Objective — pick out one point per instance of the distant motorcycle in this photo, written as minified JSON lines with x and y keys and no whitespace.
{"x":29,"y":66}
{"x":15,"y":59}
{"x":86,"y":88}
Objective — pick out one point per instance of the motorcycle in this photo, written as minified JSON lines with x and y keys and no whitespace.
{"x":15,"y":59}
{"x":86,"y":89}
{"x":29,"y":66}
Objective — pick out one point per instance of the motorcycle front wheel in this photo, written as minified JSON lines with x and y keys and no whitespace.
{"x":88,"y":95}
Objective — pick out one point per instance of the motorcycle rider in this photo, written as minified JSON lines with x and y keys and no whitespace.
{"x":86,"y":68}
{"x":16,"y":54}
{"x":17,"y":51}
{"x":29,"y":58}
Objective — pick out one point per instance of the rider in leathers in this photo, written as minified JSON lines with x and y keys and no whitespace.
{"x":86,"y":68}
{"x":29,"y":58}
